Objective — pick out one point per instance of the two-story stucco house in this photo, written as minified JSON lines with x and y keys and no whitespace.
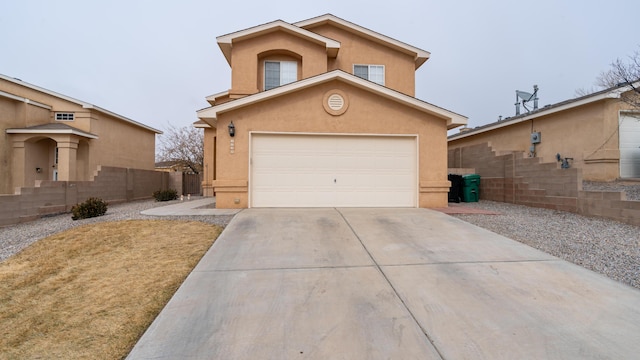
{"x":50,"y":136}
{"x":323,"y":113}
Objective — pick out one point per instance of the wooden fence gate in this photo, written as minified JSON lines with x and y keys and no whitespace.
{"x":192,"y":184}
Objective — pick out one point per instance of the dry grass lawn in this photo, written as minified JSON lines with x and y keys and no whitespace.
{"x":91,"y":292}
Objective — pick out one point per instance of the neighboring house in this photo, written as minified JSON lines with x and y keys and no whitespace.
{"x":598,"y":132}
{"x":49,"y":136}
{"x":174,"y":165}
{"x":169,"y":166}
{"x":323,"y":113}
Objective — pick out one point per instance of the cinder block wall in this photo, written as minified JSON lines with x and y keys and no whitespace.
{"x":610,"y":205}
{"x":513,"y":177}
{"x":114,"y":185}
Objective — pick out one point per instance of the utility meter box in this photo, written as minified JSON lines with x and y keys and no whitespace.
{"x":536,"y":138}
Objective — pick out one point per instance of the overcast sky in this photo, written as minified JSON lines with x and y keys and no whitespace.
{"x":156,"y":61}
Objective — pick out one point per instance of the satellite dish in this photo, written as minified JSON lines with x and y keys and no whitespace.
{"x":526,"y":97}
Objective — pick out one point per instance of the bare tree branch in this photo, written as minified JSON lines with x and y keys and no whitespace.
{"x":183,"y":145}
{"x":624,"y":73}
{"x":620,"y":73}
{"x":606,"y":79}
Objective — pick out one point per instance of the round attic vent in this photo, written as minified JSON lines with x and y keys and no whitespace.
{"x":335,"y":102}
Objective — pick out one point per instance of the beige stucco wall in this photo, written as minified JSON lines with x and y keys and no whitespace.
{"x":120,"y":144}
{"x":354,"y":49}
{"x":587,"y":133}
{"x":303,"y":112}
{"x":8,"y":119}
{"x":248,"y":55}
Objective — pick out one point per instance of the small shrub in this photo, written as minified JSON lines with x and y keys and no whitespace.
{"x":165,"y":195}
{"x":92,"y":207}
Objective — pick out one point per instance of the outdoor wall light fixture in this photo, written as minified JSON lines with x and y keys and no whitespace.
{"x":232,"y":129}
{"x":38,"y":170}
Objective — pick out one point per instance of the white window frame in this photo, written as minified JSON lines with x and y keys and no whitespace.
{"x":64,"y":116}
{"x":286,"y":77}
{"x":369,"y":77}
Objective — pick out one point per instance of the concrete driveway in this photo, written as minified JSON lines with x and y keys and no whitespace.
{"x":387,"y":284}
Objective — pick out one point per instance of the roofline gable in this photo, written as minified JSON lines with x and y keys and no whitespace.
{"x":420,"y":56}
{"x":225,"y":42}
{"x":213,"y":97}
{"x":453,"y":119}
{"x":201,"y":125}
{"x":24,"y":100}
{"x":85,"y":105}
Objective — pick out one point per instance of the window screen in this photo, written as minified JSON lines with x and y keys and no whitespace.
{"x":277,"y":73}
{"x":374,"y":73}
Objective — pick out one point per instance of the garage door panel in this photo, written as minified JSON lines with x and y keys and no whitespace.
{"x":284,"y":199}
{"x":326,"y":171}
{"x":629,"y":146}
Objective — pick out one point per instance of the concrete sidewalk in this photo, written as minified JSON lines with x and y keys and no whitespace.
{"x":387,"y":284}
{"x":195,"y":206}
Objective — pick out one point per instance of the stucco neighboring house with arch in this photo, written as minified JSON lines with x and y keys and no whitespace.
{"x":50,"y":136}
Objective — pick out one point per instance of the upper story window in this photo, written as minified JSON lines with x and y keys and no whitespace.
{"x":277,"y":73}
{"x":373,"y":73}
{"x":62,"y":116}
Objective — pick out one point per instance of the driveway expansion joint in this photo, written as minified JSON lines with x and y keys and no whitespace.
{"x":395,"y":291}
{"x":473,"y":262}
{"x":289,"y":268}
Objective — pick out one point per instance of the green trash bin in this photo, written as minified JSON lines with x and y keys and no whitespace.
{"x":471,"y":188}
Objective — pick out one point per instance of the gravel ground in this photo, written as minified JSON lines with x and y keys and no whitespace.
{"x":631,"y":188}
{"x":16,"y":237}
{"x":607,"y":247}
{"x":604,"y":246}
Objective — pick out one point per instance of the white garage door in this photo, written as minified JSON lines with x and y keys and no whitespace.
{"x":328,"y":171}
{"x":629,"y":146}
